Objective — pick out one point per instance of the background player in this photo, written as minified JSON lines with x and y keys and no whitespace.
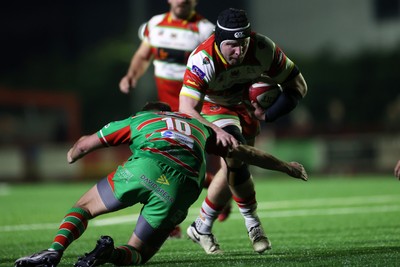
{"x":168,"y":40}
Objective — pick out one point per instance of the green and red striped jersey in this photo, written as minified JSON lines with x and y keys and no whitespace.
{"x":173,"y":138}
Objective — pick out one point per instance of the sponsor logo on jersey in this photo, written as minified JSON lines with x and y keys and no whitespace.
{"x":181,"y":138}
{"x":192,"y":82}
{"x":198,"y":72}
{"x":162,"y":180}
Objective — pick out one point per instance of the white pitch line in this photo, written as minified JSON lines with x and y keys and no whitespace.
{"x":315,"y":202}
{"x":264,"y":211}
{"x":324,"y":212}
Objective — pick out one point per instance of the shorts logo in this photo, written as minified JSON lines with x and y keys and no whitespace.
{"x":162,"y":180}
{"x":151,"y":185}
{"x":198,"y":72}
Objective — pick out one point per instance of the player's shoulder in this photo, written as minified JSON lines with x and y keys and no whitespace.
{"x":205,"y":49}
{"x":261,"y":41}
{"x":156,"y":19}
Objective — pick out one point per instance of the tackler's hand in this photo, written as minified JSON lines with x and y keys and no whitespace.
{"x":297,"y":170}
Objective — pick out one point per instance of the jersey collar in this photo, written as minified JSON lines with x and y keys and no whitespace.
{"x":221,"y":57}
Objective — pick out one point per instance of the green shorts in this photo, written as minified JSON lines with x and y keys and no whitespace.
{"x":166,"y":194}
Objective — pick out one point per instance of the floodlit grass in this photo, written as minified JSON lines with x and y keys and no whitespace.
{"x":328,"y":221}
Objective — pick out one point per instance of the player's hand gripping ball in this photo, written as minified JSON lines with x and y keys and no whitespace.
{"x":265,"y":94}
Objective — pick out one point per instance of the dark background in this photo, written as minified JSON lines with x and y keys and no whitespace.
{"x":84,"y":48}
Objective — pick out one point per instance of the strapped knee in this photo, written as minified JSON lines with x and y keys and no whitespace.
{"x":238,"y":176}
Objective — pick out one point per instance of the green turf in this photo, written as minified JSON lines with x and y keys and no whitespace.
{"x":328,"y":221}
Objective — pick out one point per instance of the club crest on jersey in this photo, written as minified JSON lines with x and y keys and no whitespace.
{"x":198,"y":72}
{"x":206,"y":61}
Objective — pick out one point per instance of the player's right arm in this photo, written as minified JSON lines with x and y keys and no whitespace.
{"x":192,"y":107}
{"x":112,"y":134}
{"x":139,"y":64}
{"x":193,"y":91}
{"x":83,"y":146}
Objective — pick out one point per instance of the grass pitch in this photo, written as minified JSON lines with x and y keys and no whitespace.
{"x":327,"y":221}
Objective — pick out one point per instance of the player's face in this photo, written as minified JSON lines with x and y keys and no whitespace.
{"x":234,"y":51}
{"x":181,"y":9}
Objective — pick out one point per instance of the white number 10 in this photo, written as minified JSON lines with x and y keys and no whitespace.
{"x":178,"y":125}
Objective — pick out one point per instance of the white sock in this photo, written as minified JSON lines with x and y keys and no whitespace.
{"x":208,"y":214}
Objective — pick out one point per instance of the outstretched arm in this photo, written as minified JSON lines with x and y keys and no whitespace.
{"x":83,"y":146}
{"x":256,"y":157}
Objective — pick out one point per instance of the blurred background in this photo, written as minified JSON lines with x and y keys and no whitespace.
{"x":61,"y":62}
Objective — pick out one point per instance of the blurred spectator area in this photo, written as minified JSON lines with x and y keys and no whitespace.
{"x":29,"y":119}
{"x":37,"y":116}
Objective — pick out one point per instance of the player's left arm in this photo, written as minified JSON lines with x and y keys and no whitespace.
{"x":256,"y":157}
{"x":293,"y":90}
{"x":83,"y":146}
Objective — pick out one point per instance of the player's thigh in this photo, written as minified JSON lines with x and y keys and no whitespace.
{"x":132,"y":183}
{"x":172,"y":193}
{"x":92,"y":202}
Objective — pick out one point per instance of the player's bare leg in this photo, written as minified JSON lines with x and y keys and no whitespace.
{"x":214,"y":164}
{"x":242,"y":187}
{"x":218,"y":195}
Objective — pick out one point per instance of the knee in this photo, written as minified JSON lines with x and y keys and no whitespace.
{"x":238,"y":175}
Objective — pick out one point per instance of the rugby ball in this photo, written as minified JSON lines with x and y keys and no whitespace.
{"x":265,"y":94}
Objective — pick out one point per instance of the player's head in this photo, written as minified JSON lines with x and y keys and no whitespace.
{"x":182,"y":9}
{"x":232,"y":34}
{"x":156,"y":106}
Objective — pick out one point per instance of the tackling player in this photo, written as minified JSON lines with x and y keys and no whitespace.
{"x":165,"y":173}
